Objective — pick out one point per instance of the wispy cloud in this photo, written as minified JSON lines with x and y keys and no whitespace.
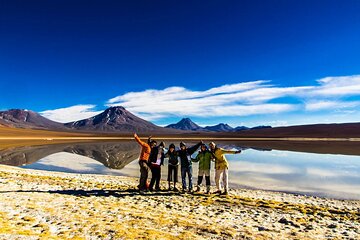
{"x":70,"y":114}
{"x":241,"y":99}
{"x":338,"y":86}
{"x":231,"y":100}
{"x":180,"y":93}
{"x":328,"y":105}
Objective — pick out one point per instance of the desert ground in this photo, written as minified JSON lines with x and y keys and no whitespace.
{"x":49,"y":205}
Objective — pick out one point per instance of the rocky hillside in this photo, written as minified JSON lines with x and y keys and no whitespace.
{"x":19,"y":118}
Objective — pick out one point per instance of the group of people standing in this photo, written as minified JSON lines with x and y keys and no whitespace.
{"x":152,"y":158}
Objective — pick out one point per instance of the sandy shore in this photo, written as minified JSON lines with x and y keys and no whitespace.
{"x":42,"y":205}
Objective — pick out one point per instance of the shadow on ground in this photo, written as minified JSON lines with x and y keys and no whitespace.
{"x":102,"y":192}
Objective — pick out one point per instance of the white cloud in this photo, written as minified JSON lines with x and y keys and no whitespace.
{"x":231,"y":100}
{"x":70,"y":114}
{"x":179,"y":93}
{"x":241,"y":99}
{"x":338,"y":86}
{"x":330,"y":105}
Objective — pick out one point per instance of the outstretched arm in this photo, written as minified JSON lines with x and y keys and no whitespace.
{"x":192,"y":149}
{"x":196,"y":159}
{"x":224,"y":151}
{"x":138,"y":140}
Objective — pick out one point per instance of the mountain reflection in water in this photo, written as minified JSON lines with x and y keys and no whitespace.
{"x":330,"y":169}
{"x":114,"y":155}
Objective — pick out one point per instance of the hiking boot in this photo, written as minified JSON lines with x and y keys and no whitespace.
{"x":224,"y":193}
{"x":217,"y":192}
{"x":207,"y":189}
{"x":175,"y":189}
{"x":197,"y":189}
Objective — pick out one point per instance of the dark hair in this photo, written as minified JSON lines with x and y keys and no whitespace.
{"x":172,"y":146}
{"x":203,"y":145}
{"x":182,"y":144}
{"x":162,"y":144}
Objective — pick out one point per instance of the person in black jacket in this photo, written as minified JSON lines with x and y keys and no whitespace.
{"x":186,"y":166}
{"x":156,"y":160}
{"x":173,"y":166}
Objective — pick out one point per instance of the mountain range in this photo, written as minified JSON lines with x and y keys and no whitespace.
{"x":117,"y":120}
{"x":188,"y":125}
{"x":113,"y":119}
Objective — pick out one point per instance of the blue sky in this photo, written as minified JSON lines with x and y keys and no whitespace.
{"x":241,"y":62}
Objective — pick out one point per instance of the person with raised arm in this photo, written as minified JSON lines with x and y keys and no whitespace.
{"x":143,"y":161}
{"x":221,"y":167}
{"x":186,"y":166}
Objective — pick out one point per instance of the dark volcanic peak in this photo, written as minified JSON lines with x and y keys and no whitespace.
{"x":22,"y":118}
{"x":261,"y":127}
{"x":185,"y":124}
{"x":114,"y":119}
{"x":240,"y":128}
{"x":222,"y":127}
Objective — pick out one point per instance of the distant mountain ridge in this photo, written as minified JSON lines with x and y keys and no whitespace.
{"x":22,"y":118}
{"x":117,"y":120}
{"x":189,"y":125}
{"x":113,"y":119}
{"x":221,"y":127}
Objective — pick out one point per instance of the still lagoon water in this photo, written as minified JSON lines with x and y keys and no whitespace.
{"x":317,"y":170}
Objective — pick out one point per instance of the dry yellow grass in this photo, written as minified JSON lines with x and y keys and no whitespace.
{"x":45,"y":205}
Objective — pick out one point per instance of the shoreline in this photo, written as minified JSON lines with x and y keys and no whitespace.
{"x":207,"y":138}
{"x":43,"y":204}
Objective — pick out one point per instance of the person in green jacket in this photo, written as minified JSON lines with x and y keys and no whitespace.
{"x":221,"y":167}
{"x":204,"y":158}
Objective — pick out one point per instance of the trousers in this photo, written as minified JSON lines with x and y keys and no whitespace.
{"x":221,"y":179}
{"x":144,"y":171}
{"x":155,"y":178}
{"x":186,"y":171}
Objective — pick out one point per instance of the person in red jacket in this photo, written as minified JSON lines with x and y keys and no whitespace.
{"x":143,"y":160}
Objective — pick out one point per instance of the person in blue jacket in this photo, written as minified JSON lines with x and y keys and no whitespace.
{"x":186,"y":164}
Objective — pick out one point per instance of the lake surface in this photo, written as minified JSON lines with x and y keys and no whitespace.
{"x":317,"y":169}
